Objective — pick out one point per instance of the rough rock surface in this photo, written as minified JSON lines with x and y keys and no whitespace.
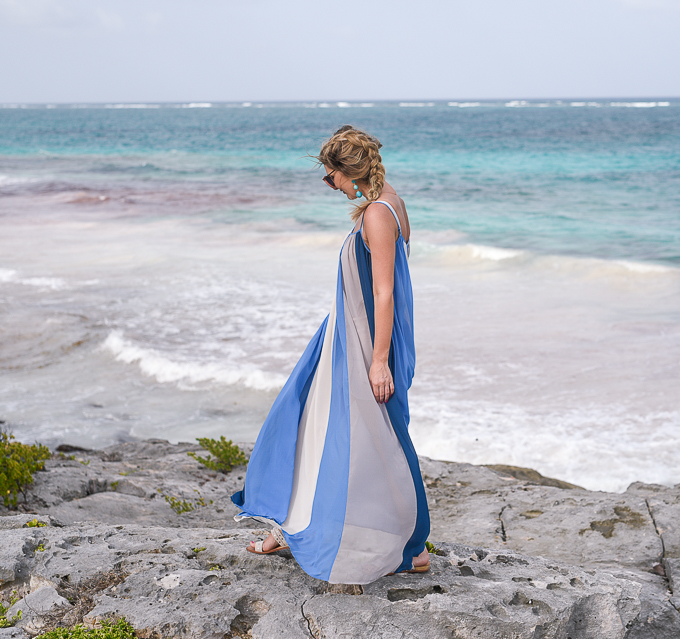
{"x":519,"y":556}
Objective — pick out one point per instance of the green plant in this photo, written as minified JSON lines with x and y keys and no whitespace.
{"x":114,"y":484}
{"x":184,"y":505}
{"x":198,"y":549}
{"x":40,"y":548}
{"x":226,"y":454}
{"x":431,"y":548}
{"x":34,"y":523}
{"x":179,"y":505}
{"x":119,"y":630}
{"x":8,"y":623}
{"x":18,"y":462}
{"x":84,"y":463}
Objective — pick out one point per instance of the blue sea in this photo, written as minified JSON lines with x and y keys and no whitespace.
{"x":162,"y":267}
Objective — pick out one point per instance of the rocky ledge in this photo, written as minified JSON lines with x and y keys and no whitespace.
{"x":142,"y":531}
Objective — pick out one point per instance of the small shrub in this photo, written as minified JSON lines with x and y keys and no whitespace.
{"x":8,"y":623}
{"x":119,"y":630}
{"x":18,"y":462}
{"x":34,"y":523}
{"x":225,"y":454}
{"x":179,"y":505}
{"x":185,"y":505}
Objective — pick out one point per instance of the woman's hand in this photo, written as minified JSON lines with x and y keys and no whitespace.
{"x":381,"y":380}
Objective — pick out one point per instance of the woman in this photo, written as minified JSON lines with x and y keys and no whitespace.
{"x":333,"y":466}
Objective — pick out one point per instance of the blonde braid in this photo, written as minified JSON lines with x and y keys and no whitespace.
{"x":357,"y":155}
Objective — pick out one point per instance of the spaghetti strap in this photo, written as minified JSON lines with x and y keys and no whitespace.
{"x":396,"y":217}
{"x":389,"y":206}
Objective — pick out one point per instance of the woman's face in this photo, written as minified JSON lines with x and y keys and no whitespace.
{"x":341,"y":182}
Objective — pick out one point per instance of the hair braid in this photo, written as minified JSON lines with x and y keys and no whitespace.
{"x":357,"y":155}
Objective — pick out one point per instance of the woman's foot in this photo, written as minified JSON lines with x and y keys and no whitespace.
{"x":422,"y":560}
{"x":268,"y":544}
{"x":421,"y":563}
{"x":276,"y":541}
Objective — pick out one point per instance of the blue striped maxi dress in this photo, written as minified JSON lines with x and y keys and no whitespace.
{"x":333,"y":468}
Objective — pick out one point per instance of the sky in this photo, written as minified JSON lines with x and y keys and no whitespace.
{"x":64,"y":51}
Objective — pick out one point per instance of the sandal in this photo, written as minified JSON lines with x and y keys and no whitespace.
{"x":415,"y":569}
{"x":277,"y":533}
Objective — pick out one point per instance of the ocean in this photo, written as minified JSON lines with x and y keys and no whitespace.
{"x":163,"y":266}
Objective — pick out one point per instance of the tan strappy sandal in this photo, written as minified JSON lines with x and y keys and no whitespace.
{"x":277,"y":533}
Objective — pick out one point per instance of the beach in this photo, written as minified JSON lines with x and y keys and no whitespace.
{"x":162,"y":269}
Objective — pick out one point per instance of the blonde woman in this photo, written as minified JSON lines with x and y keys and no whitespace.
{"x":334,"y":468}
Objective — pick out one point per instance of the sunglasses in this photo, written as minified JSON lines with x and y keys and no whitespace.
{"x":328,"y":179}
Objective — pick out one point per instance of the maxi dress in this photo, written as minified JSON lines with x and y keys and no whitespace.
{"x":336,"y":470}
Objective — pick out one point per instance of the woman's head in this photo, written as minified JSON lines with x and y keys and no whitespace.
{"x":355,"y":155}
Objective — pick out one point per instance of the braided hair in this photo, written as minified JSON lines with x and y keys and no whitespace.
{"x":356,"y":154}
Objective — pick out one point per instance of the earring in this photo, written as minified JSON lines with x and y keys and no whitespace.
{"x":357,"y":192}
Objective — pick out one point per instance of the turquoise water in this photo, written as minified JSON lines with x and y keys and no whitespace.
{"x":162,"y":269}
{"x":599,"y":181}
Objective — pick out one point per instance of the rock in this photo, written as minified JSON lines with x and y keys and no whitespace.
{"x":501,"y":595}
{"x":37,"y":605}
{"x":114,"y":508}
{"x":530,"y":476}
{"x":12,"y":633}
{"x":10,"y":522}
{"x":520,"y":555}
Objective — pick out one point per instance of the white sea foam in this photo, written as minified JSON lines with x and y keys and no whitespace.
{"x":643,"y":267}
{"x":166,"y":370}
{"x":416,"y":104}
{"x":445,"y":251}
{"x":517,"y":103}
{"x":492,"y":253}
{"x":461,"y":254}
{"x":54,"y":283}
{"x":639,"y":105}
{"x":465,"y":105}
{"x":6,"y":180}
{"x":133,"y":106}
{"x":7,"y":275}
{"x":197,"y":105}
{"x":343,"y":105}
{"x":599,"y":447}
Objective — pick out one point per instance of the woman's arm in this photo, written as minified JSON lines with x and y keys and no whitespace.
{"x":381,"y":234}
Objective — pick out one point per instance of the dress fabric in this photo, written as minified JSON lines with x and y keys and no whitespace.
{"x":333,"y":468}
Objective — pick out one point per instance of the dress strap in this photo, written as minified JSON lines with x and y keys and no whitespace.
{"x":389,"y":206}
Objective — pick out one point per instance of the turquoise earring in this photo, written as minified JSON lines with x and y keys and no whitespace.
{"x":357,"y":192}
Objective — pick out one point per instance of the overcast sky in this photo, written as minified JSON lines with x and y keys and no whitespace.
{"x":235,"y":50}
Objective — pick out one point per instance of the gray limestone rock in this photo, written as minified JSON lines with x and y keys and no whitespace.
{"x":520,"y":555}
{"x":35,"y":606}
{"x":12,"y":633}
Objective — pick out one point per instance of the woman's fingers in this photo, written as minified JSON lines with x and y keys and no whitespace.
{"x":383,"y":392}
{"x":382,"y":383}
